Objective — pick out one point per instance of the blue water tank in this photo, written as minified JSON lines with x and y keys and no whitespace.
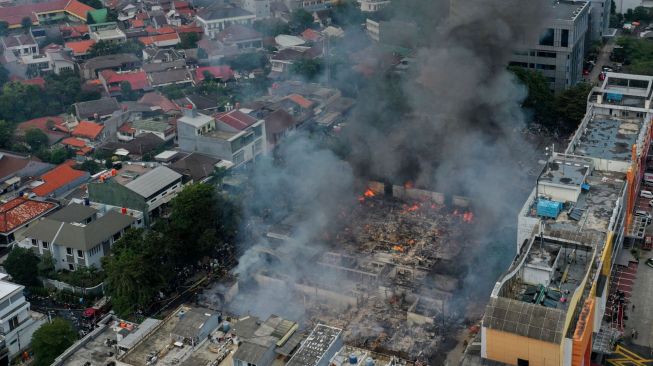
{"x":369,"y":362}
{"x":546,"y":208}
{"x":353,"y":360}
{"x":226,"y":326}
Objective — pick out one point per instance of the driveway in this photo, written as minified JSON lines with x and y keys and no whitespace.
{"x":641,"y":318}
{"x":602,"y":60}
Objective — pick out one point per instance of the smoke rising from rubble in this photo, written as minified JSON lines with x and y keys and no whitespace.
{"x":452,"y":125}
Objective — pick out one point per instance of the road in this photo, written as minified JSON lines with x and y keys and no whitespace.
{"x":641,"y":319}
{"x":602,"y":60}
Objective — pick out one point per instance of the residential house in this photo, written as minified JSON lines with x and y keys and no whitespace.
{"x":373,"y":5}
{"x":161,"y":40}
{"x":80,"y":49}
{"x":157,"y":101}
{"x":147,"y":193}
{"x":154,"y":54}
{"x":215,"y":19}
{"x":79,"y":146}
{"x":309,"y":5}
{"x":156,"y":126}
{"x":113,"y":81}
{"x":282,"y":61}
{"x":220,"y":73}
{"x":108,"y":32}
{"x":127,"y":12}
{"x":198,"y":102}
{"x":194,"y":167}
{"x":277,"y":125}
{"x":14,"y":168}
{"x":136,"y":148}
{"x":119,"y":62}
{"x":52,"y":126}
{"x":90,"y":131}
{"x":48,"y":11}
{"x":241,"y":36}
{"x":20,"y":45}
{"x":170,"y":77}
{"x":18,"y":213}
{"x":76,"y":32}
{"x":53,"y":60}
{"x":96,"y":110}
{"x":78,"y":236}
{"x":17,"y":321}
{"x":260,"y":8}
{"x":58,"y":181}
{"x":233,"y":136}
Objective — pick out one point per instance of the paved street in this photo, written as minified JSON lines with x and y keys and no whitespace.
{"x":641,"y":319}
{"x":602,"y":60}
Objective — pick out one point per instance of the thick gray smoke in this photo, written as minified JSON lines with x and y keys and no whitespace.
{"x":450,"y":124}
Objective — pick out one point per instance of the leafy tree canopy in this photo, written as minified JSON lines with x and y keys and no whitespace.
{"x":22,"y":265}
{"x":51,"y":340}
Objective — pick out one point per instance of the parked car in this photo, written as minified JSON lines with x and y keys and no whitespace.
{"x":649,"y":262}
{"x":646,"y":194}
{"x":645,"y":214}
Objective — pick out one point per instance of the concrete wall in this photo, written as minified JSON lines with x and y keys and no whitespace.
{"x":508,"y":347}
{"x":559,"y":193}
{"x":114,"y":194}
{"x":190,"y":142}
{"x":331,"y":297}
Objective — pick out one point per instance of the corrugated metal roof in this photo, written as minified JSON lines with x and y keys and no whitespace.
{"x":152,"y":181}
{"x":143,"y":329}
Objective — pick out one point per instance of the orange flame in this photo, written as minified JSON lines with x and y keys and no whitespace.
{"x":369,"y":193}
{"x":398,"y":248}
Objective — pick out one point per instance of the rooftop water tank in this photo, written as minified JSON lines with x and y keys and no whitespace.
{"x":369,"y":362}
{"x":353,"y":360}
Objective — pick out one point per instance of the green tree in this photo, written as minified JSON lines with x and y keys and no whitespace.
{"x":4,"y":27}
{"x":26,"y":23}
{"x":347,"y":13}
{"x":188,"y":40}
{"x":6,"y":134}
{"x":126,"y":92}
{"x":4,"y":76}
{"x":248,"y":61}
{"x":300,"y":19}
{"x":104,"y":48}
{"x":46,"y":266}
{"x":571,"y":106}
{"x":308,"y":69}
{"x":201,"y":222}
{"x":135,"y":270}
{"x":36,"y":139}
{"x":51,"y":340}
{"x":22,"y":265}
{"x":90,"y":166}
{"x":540,"y":99}
{"x":271,"y":27}
{"x":635,"y":54}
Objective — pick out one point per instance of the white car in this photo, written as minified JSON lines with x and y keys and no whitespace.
{"x":643,"y":213}
{"x":646,"y":194}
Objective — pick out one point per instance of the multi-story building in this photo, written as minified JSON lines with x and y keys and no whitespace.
{"x":559,"y":53}
{"x":138,"y":187}
{"x":550,"y":307}
{"x":599,"y":18}
{"x":260,"y":8}
{"x":17,"y":321}
{"x":215,"y":19}
{"x":373,"y":5}
{"x":233,"y":136}
{"x":79,"y":235}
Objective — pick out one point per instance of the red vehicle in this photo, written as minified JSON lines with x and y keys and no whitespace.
{"x":602,"y":76}
{"x":91,"y":315}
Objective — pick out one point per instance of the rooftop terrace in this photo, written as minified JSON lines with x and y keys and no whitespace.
{"x":608,"y":138}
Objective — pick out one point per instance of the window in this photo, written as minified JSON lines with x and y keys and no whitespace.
{"x":71,"y":267}
{"x":547,"y":38}
{"x":519,"y":64}
{"x":239,"y":157}
{"x":521,"y":362}
{"x":44,"y":245}
{"x":69,"y":251}
{"x":13,"y":323}
{"x":34,"y":243}
{"x":564,"y":38}
{"x":80,"y":254}
{"x":546,"y":54}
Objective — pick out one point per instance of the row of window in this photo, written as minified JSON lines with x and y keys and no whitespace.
{"x":533,"y":66}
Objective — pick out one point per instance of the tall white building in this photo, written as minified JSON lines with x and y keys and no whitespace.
{"x":17,"y":321}
{"x":599,"y":18}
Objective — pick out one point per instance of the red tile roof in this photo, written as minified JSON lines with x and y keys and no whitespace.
{"x":84,"y":150}
{"x":301,"y":101}
{"x":165,"y":30}
{"x":149,"y":40}
{"x":80,"y":47}
{"x":181,"y":4}
{"x":57,"y":178}
{"x":236,"y":119}
{"x":38,"y":81}
{"x":88,"y":129}
{"x":77,"y":9}
{"x":74,"y":142}
{"x":311,"y":35}
{"x":157,"y":100}
{"x":127,"y":128}
{"x":42,"y":124}
{"x":20,"y":211}
{"x":219,"y":72}
{"x":137,"y":80}
{"x":138,"y":23}
{"x":190,"y":29}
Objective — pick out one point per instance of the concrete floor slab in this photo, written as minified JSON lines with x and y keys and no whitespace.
{"x":641,"y":319}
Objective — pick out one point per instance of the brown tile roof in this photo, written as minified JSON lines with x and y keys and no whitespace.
{"x":20,"y":211}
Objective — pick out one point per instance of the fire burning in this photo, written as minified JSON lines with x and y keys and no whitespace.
{"x":367,"y":194}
